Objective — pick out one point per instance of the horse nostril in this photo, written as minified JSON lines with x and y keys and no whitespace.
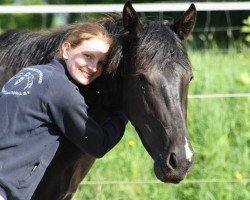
{"x":172,"y":161}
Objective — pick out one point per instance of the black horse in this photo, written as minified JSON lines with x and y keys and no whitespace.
{"x":148,"y":77}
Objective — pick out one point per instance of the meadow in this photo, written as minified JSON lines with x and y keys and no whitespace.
{"x":220,"y":135}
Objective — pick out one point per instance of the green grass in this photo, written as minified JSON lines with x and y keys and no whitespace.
{"x":220,"y":135}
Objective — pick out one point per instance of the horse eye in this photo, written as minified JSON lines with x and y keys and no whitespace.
{"x":142,"y":78}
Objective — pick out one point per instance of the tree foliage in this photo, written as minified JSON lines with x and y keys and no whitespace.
{"x":246,"y":28}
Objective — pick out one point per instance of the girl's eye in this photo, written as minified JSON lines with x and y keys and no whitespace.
{"x":87,"y":56}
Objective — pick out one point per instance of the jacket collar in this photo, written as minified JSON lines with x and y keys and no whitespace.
{"x":61,"y":66}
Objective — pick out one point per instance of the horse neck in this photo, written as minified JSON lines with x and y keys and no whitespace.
{"x":103,"y":97}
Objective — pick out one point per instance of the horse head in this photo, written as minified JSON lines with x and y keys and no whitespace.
{"x":156,"y":73}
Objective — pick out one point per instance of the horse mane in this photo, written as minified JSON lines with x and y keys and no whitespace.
{"x":115,"y":28}
{"x":28,"y":48}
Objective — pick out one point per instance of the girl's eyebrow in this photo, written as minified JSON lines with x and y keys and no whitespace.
{"x":89,"y":52}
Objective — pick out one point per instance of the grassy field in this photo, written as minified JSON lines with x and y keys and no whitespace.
{"x":220,"y":134}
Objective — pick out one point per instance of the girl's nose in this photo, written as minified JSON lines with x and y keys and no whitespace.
{"x":93,"y":66}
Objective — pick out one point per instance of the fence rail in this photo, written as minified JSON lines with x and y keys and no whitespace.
{"x":139,"y":7}
{"x":209,"y":96}
{"x":191,"y":181}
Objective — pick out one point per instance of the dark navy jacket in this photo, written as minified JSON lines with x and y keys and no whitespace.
{"x":38,"y":106}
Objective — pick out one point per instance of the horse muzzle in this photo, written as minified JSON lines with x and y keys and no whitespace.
{"x":173,"y":167}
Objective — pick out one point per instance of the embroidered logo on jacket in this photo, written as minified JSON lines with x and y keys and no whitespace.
{"x":22,"y":83}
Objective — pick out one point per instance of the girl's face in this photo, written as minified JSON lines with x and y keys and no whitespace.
{"x":85,"y":62}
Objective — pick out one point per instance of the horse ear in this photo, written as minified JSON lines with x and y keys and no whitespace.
{"x":131,"y":21}
{"x":185,"y":25}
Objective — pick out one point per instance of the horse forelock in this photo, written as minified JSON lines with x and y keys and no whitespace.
{"x":115,"y":28}
{"x":158,"y":46}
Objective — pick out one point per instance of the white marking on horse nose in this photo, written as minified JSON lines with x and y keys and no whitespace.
{"x":189,"y":153}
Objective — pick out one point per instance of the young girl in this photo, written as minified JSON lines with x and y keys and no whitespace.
{"x":41,"y":104}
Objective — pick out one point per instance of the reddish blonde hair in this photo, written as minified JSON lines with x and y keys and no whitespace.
{"x":86,"y":31}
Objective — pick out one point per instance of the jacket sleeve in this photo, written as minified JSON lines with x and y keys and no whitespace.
{"x":69,"y":112}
